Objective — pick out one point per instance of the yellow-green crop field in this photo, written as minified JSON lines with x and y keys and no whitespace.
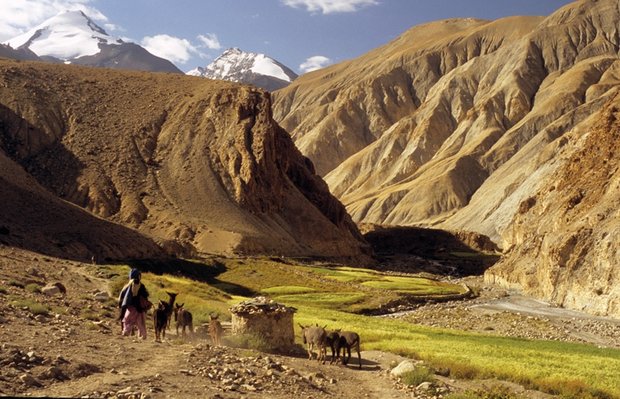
{"x":338,"y":296}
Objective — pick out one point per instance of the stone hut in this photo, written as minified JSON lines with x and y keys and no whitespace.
{"x":266,"y":318}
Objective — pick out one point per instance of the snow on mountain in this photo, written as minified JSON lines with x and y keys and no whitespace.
{"x":72,"y":37}
{"x":66,"y":36}
{"x":251,"y":68}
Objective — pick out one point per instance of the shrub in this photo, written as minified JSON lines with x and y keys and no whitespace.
{"x":38,"y":309}
{"x":90,"y":315}
{"x":417,"y":376}
{"x":495,"y":392}
{"x":32,"y":306}
{"x":457,"y":370}
{"x":34,"y":288}
{"x":15,"y":283}
{"x":250,"y":341}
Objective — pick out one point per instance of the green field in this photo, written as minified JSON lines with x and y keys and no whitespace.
{"x":335,"y":296}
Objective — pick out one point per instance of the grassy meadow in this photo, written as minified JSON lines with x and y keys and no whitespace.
{"x":339,"y":296}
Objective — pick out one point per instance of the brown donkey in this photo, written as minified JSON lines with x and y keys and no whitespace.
{"x":215,"y":330}
{"x":183,"y":318}
{"x":314,"y":335}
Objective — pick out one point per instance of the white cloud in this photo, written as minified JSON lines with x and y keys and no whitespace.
{"x":210,"y":40}
{"x":17,"y":16}
{"x":169,"y":47}
{"x":112,"y":28}
{"x":330,"y":6}
{"x":314,"y":63}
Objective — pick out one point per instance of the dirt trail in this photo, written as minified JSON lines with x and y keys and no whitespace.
{"x":77,"y":350}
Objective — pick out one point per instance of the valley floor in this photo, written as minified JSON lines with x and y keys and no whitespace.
{"x":505,"y":313}
{"x":75,"y":350}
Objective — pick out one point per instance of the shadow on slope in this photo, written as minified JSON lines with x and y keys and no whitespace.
{"x":205,"y":272}
{"x":415,"y":249}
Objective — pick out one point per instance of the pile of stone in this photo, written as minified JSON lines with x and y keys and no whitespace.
{"x":260,"y":304}
{"x":227,"y":372}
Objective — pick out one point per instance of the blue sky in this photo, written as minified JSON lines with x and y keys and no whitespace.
{"x":313,"y":33}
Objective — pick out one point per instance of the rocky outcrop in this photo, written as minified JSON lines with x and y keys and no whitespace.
{"x":563,"y":241}
{"x":193,"y":164}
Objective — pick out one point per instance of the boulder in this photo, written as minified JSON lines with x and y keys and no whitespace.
{"x":404,"y":367}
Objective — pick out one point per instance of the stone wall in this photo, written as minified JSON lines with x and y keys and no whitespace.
{"x":267,"y":319}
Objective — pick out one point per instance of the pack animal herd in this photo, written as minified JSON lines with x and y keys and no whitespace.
{"x":337,"y":340}
{"x":183,"y":318}
{"x":313,"y":336}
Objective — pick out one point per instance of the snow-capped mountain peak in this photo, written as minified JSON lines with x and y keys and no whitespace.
{"x":253,"y":68}
{"x":66,"y":36}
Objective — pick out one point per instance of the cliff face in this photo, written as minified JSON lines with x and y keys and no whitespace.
{"x":456,"y":123}
{"x":564,"y":238}
{"x":193,"y":164}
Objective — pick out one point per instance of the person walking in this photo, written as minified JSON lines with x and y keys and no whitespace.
{"x":133,"y":302}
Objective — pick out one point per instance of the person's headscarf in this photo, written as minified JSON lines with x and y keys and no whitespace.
{"x":135,"y":275}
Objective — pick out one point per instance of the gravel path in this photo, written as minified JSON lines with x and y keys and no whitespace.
{"x":505,"y":313}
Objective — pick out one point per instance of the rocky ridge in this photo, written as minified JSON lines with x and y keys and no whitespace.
{"x":189,"y":164}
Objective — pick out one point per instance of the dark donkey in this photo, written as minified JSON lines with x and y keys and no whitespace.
{"x":331,"y":340}
{"x":348,"y":340}
{"x":162,"y":315}
{"x":183,"y":319}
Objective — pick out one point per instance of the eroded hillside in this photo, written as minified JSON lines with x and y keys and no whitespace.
{"x":410,"y":132}
{"x":181,"y":163}
{"x":564,"y":238}
{"x":458,"y":123}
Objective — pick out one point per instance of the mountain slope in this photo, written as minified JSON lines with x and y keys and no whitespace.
{"x":180,"y":159}
{"x":250,"y":68}
{"x":457,"y":122}
{"x":564,"y":238}
{"x":72,"y":37}
{"x":7,"y":51}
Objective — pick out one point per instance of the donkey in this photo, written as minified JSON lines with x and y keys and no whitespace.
{"x":331,"y":340}
{"x":348,"y":340}
{"x":315,"y":335}
{"x":215,"y":330}
{"x":183,"y":319}
{"x":162,"y":315}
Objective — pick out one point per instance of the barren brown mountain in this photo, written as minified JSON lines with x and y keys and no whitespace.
{"x":121,"y":164}
{"x":459,"y":123}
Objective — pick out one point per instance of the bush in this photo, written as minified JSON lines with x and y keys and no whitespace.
{"x":250,"y":341}
{"x":34,"y":288}
{"x":417,"y":376}
{"x":457,"y":370}
{"x":16,"y":283}
{"x":495,"y":392}
{"x":32,"y":306}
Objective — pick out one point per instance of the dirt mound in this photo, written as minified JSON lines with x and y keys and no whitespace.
{"x":192,"y":164}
